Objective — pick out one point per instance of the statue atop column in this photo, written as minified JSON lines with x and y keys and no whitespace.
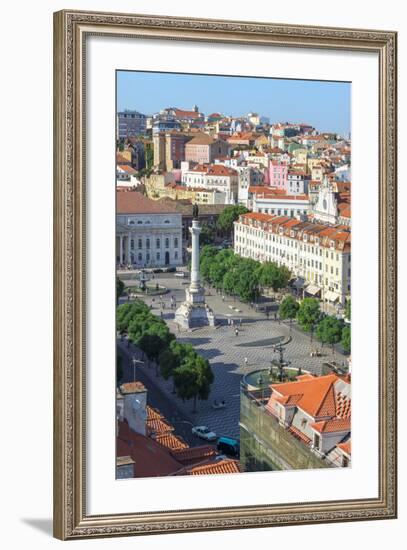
{"x":194,"y":312}
{"x":195,"y":211}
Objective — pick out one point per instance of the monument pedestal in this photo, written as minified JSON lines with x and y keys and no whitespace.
{"x":194,"y":312}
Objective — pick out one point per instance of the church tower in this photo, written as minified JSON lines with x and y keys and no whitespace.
{"x":326,"y":207}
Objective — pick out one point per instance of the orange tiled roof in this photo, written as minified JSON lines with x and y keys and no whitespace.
{"x":171,"y":441}
{"x":158,"y":426}
{"x":317,"y":394}
{"x":330,"y":426}
{"x":346,"y":447}
{"x":132,"y":387}
{"x":227,"y":466}
{"x":127,"y":168}
{"x":153,"y":413}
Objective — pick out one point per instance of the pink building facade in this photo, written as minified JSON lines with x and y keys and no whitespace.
{"x":278,"y":173}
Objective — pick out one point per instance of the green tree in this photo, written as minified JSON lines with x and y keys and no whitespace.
{"x":273,"y":276}
{"x":193,"y":379}
{"x":207,"y":235}
{"x":149,"y":157}
{"x":173,"y":356}
{"x":289,"y":308}
{"x":346,"y":338}
{"x":154,"y":340}
{"x":208,"y":253}
{"x":309,"y":314}
{"x":329,"y":331}
{"x":119,"y":289}
{"x":220,"y":265}
{"x":247,"y":284}
{"x":228,"y":216}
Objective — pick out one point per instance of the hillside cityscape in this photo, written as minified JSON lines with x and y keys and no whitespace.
{"x":233,"y":255}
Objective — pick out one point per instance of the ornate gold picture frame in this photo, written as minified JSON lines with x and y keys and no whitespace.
{"x":71,"y":28}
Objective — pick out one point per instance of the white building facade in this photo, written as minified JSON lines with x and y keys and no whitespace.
{"x":218,"y":177}
{"x":318,"y":254}
{"x":148,"y":234}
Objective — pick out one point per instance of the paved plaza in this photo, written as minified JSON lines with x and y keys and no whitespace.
{"x":226,"y":352}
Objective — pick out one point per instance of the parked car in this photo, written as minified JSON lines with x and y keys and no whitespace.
{"x":204,"y":433}
{"x":229,"y":446}
{"x":180,"y":274}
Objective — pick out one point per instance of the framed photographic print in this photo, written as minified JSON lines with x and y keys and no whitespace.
{"x":225,"y":274}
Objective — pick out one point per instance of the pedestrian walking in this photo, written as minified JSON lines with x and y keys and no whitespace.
{"x":232,"y":322}
{"x":246,"y":361}
{"x":236,"y":332}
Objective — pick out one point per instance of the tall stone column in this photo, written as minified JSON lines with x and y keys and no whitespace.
{"x":194,"y":312}
{"x":195,"y":230}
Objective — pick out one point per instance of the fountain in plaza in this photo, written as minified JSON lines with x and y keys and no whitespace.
{"x":194,"y":311}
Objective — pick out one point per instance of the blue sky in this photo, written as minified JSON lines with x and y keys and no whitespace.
{"x":325,"y":105}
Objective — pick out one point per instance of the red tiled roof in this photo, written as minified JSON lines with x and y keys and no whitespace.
{"x":214,"y":169}
{"x":151,"y":458}
{"x":192,"y":454}
{"x":133,"y":202}
{"x":201,"y":139}
{"x":186,"y":114}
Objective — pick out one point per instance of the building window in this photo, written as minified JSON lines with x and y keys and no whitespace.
{"x":157,"y":243}
{"x":167,"y":242}
{"x":176,"y":255}
{"x":158,"y":255}
{"x":176,"y":242}
{"x":147,"y":243}
{"x":140,"y":243}
{"x":317,"y":441}
{"x":140,"y":256}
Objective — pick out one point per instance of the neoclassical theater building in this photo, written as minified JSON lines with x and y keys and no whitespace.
{"x":148,"y":234}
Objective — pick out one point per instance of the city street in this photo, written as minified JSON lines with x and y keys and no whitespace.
{"x":226,"y":353}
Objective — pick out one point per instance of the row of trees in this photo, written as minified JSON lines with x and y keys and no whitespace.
{"x":328,"y":329}
{"x":191,"y":373}
{"x":239,"y":276}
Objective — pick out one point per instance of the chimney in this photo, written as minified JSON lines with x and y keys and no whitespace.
{"x":135,"y":406}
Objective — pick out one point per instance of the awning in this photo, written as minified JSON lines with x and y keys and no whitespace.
{"x":331,"y":296}
{"x":313,"y":290}
{"x":299,"y":283}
